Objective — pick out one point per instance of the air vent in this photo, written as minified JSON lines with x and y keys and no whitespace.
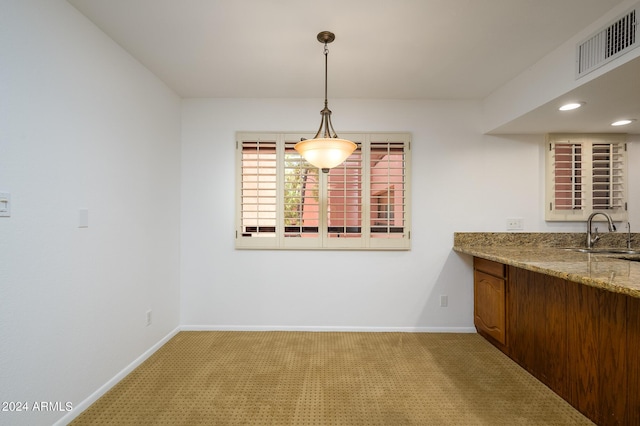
{"x":609,"y":43}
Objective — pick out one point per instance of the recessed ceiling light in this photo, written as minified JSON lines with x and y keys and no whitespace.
{"x":623,"y":122}
{"x":570,"y":106}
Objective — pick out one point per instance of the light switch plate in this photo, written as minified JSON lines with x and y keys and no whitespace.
{"x":5,"y":204}
{"x":83,"y":218}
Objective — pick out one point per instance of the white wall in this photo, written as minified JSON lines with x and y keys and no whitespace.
{"x":633,"y":151}
{"x":82,"y":126}
{"x":462,"y":181}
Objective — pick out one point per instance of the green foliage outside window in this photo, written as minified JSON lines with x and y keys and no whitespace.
{"x":296,"y":180}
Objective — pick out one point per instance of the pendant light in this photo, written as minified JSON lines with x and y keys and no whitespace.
{"x":326,"y":150}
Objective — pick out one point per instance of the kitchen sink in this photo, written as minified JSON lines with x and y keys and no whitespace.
{"x":604,"y":250}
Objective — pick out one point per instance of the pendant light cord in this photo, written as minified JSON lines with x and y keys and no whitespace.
{"x":326,"y":68}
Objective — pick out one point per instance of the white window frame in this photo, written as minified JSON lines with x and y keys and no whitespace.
{"x":583,"y":192}
{"x":390,"y":239}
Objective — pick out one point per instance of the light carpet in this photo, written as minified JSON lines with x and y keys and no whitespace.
{"x":320,"y":379}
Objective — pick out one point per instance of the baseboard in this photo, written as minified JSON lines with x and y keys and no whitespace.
{"x":77,"y":409}
{"x":328,"y":328}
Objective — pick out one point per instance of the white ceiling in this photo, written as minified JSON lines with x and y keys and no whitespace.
{"x":384,"y":49}
{"x":611,"y":97}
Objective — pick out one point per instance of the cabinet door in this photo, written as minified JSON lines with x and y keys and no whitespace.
{"x":489,"y":306}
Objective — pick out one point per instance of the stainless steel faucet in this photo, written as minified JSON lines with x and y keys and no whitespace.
{"x":591,"y":240}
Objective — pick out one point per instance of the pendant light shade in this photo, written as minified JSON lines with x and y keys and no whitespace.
{"x":325,"y":153}
{"x":326,"y":150}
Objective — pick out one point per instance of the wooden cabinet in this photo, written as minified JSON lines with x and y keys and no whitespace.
{"x":597,"y":362}
{"x":582,"y":342}
{"x":633,"y":361}
{"x":490,"y":300}
{"x":537,"y":326}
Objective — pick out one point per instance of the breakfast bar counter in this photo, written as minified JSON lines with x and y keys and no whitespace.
{"x":548,"y":253}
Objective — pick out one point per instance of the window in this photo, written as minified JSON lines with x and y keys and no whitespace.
{"x":283,"y":202}
{"x":586,"y":174}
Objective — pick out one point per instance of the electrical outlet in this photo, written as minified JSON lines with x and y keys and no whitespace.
{"x":515,"y":223}
{"x":148,"y":317}
{"x":444,"y":301}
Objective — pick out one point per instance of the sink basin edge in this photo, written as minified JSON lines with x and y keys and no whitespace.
{"x":603,"y":250}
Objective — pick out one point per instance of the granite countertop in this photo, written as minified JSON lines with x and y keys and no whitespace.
{"x":546,"y":253}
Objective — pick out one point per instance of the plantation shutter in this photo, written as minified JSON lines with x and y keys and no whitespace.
{"x":258,"y":190}
{"x":301,"y":195}
{"x":344,"y":198}
{"x":608,"y":177}
{"x":586,"y":174}
{"x":283,"y":202}
{"x":568,"y":176}
{"x":389,"y":186}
